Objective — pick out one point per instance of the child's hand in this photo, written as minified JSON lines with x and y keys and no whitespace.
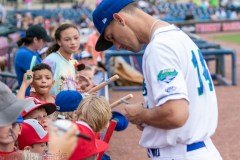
{"x":62,"y":146}
{"x":84,"y":84}
{"x":27,"y":78}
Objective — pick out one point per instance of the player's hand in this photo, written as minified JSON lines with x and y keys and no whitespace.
{"x":27,"y":78}
{"x":134,"y":113}
{"x":62,"y":146}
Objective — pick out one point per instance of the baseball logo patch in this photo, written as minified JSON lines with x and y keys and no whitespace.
{"x":167,"y":75}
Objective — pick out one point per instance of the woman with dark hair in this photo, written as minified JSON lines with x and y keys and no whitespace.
{"x":27,"y":54}
{"x":67,"y":38}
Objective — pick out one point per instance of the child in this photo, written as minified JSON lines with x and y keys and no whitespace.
{"x":60,"y":59}
{"x":95,"y":111}
{"x":35,"y":39}
{"x":8,"y":137}
{"x":85,"y":79}
{"x":39,"y":110}
{"x":8,"y":146}
{"x":67,"y":102}
{"x":33,"y":137}
{"x":41,"y":79}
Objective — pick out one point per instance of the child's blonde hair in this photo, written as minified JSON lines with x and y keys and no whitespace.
{"x":95,"y":111}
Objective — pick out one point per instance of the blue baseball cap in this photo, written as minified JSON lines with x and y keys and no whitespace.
{"x":103,"y":15}
{"x":68,"y":100}
{"x":122,"y":122}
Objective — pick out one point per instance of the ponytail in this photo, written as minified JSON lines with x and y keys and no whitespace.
{"x":20,"y":42}
{"x":25,"y":41}
{"x":53,"y":48}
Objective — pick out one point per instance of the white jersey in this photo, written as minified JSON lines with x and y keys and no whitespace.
{"x":173,"y":68}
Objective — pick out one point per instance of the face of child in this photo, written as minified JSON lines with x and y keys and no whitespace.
{"x":9,"y":134}
{"x":88,"y":73}
{"x":70,"y":40}
{"x":42,"y":81}
{"x":40,"y":115}
{"x":84,"y":84}
{"x":40,"y":148}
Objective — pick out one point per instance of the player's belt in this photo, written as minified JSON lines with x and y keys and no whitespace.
{"x":194,"y":146}
{"x":155,"y":152}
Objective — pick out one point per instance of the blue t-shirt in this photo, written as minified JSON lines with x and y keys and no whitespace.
{"x":22,"y":63}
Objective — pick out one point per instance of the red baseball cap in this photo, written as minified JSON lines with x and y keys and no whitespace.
{"x":86,"y":148}
{"x":32,"y":133}
{"x":36,"y":103}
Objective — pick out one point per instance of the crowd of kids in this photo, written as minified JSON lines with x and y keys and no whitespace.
{"x":51,"y":89}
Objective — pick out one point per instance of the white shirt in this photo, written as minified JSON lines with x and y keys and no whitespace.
{"x":63,"y":72}
{"x":173,"y":69}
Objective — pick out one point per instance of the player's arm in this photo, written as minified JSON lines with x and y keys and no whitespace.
{"x":170,"y":115}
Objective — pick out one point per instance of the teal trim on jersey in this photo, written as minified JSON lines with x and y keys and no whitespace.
{"x":167,"y":75}
{"x":195,"y":64}
{"x":205,"y":73}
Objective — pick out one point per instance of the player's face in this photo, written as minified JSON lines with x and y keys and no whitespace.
{"x":42,"y":81}
{"x":122,"y":36}
{"x":40,"y":115}
{"x":9,"y":134}
{"x":40,"y":148}
{"x":70,"y":41}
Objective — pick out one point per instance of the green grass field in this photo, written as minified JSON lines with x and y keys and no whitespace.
{"x":234,"y":38}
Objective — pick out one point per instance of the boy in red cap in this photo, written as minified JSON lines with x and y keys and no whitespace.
{"x":33,"y":137}
{"x":39,"y":110}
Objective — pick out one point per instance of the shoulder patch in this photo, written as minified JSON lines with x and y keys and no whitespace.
{"x":167,"y":75}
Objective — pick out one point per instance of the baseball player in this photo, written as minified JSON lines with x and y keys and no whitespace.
{"x":180,"y":110}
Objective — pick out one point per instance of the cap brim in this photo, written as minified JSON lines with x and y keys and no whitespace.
{"x":101,"y":146}
{"x":11,"y":113}
{"x":49,"y":107}
{"x":43,"y":140}
{"x":102,"y":44}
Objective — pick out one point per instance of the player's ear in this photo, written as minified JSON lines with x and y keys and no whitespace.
{"x":119,"y":18}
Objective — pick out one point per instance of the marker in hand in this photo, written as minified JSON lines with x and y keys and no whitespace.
{"x":32,"y":64}
{"x":64,"y":125}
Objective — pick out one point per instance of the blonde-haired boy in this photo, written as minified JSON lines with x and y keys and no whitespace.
{"x":95,"y":111}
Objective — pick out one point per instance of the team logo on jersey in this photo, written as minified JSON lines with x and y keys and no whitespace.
{"x":167,"y":75}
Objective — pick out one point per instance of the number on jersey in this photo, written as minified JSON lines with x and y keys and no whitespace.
{"x":200,"y":65}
